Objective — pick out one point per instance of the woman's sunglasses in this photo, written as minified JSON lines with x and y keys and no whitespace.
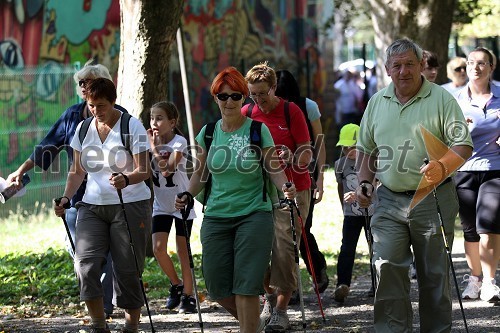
{"x":234,"y":96}
{"x":460,"y":68}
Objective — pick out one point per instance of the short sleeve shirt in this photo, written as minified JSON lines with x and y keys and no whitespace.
{"x":312,"y":109}
{"x":167,"y":188}
{"x":284,"y":136}
{"x":484,"y":126}
{"x":237,"y":182}
{"x":345,"y":173}
{"x":393,"y":132}
{"x":102,"y":159}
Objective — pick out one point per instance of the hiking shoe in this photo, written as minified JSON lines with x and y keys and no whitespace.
{"x":490,"y":292}
{"x":341,"y":293}
{"x":188,"y":304}
{"x":262,"y":325}
{"x":473,"y":287}
{"x":175,"y":296}
{"x":279,"y":322}
{"x":322,"y":281}
{"x":267,"y":310}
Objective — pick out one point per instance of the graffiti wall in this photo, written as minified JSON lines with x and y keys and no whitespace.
{"x":40,"y":43}
{"x":218,"y":34}
{"x":43,"y":42}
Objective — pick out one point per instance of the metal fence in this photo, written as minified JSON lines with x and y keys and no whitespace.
{"x":31,"y":100}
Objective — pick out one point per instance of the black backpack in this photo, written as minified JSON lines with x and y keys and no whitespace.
{"x":255,"y":143}
{"x":301,"y":103}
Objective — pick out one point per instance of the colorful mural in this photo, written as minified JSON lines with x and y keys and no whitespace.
{"x":241,"y":34}
{"x":41,"y":42}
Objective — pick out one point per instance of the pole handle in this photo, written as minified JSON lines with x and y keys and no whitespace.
{"x":189,"y":205}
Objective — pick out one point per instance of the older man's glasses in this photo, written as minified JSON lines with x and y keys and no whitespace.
{"x":234,"y":96}
{"x":460,"y":68}
{"x":481,"y":64}
{"x":83,"y":83}
{"x":260,"y":95}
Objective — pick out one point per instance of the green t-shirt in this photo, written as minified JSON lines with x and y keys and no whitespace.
{"x":236,"y":173}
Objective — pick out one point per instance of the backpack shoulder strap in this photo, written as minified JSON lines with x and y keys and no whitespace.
{"x":208,"y":138}
{"x":125,"y":131}
{"x":249,"y":110}
{"x":255,"y":133}
{"x":209,"y":135}
{"x":84,"y":129}
{"x":256,"y":141}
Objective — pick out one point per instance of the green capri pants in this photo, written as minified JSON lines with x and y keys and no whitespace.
{"x":235,"y":253}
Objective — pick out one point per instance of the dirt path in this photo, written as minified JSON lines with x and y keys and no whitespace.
{"x":354,"y":316}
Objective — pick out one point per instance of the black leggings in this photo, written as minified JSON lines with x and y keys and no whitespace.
{"x":479,"y":197}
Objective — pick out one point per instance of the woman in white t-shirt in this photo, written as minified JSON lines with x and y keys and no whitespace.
{"x":169,"y":150}
{"x":101,"y":225}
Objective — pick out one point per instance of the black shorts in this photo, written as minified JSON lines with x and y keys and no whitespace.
{"x":479,"y":197}
{"x":163,"y":223}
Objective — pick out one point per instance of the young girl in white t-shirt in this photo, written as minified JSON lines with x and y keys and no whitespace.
{"x":168,"y":163}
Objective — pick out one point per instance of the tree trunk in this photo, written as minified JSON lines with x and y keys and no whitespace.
{"x":148,"y":29}
{"x":428,"y":23}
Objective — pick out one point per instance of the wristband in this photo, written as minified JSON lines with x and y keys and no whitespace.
{"x":67,"y":205}
{"x":127,"y":181}
{"x":444,"y":169}
{"x":365,"y":182}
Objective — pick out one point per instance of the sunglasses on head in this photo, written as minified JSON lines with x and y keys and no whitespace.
{"x":460,"y":68}
{"x":234,"y":96}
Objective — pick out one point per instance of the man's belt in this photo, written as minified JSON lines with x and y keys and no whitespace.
{"x":412,"y":192}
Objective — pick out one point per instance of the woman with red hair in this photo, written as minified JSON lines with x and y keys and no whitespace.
{"x":237,"y":229}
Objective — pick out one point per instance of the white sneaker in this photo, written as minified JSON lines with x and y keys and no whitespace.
{"x":490,"y":292}
{"x":473,"y":287}
{"x":262,"y":325}
{"x":279,"y":322}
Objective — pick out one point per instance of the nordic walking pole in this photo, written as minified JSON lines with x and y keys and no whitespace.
{"x":290,"y":204}
{"x":447,"y":247}
{"x":308,"y":252}
{"x":185,"y":215}
{"x":119,"y":191}
{"x":368,"y":234}
{"x":313,"y":273}
{"x":67,"y":205}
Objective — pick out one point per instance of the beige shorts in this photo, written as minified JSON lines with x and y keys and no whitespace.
{"x":283,"y":266}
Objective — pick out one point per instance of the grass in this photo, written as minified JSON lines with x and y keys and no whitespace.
{"x":36,"y":271}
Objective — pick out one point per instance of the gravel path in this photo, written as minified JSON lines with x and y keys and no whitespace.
{"x":354,"y":316}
